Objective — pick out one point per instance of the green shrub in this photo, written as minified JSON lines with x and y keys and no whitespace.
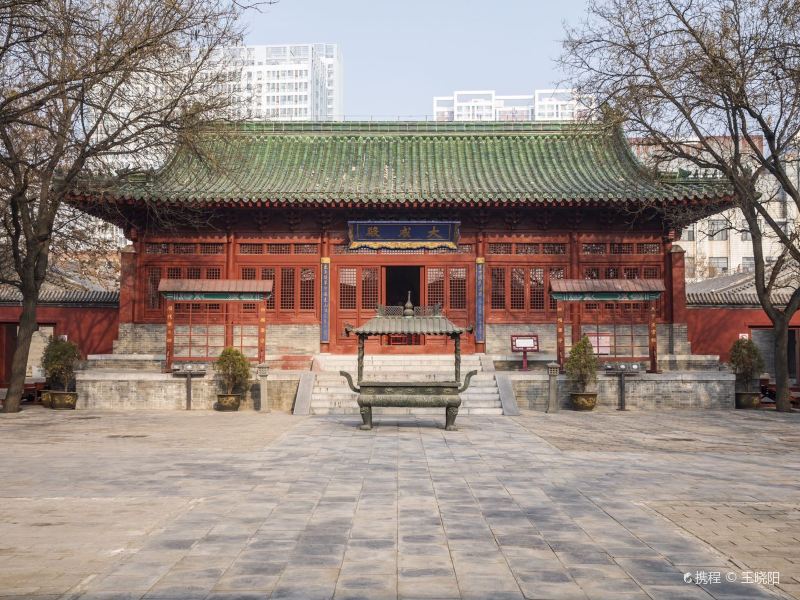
{"x":746,"y":362}
{"x":233,"y":369}
{"x":581,"y":365}
{"x":58,"y":361}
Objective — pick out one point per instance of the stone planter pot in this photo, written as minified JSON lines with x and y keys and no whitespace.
{"x":748,"y":399}
{"x":583,"y":400}
{"x":228,"y":402}
{"x":44,"y":396}
{"x":63,"y":400}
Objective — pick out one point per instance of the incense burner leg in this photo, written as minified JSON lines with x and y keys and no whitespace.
{"x":366,"y":417}
{"x":451,"y":412}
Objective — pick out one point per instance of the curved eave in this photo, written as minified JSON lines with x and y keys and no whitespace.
{"x":475,"y":201}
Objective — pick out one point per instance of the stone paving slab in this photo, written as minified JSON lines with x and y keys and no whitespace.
{"x":246,"y":505}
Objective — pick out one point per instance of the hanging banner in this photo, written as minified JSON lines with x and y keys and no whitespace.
{"x":403,"y":234}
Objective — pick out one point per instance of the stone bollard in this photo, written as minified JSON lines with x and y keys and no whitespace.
{"x":263,"y":370}
{"x":552,"y":388}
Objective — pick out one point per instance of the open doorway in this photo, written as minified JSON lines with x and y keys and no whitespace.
{"x":399,"y":282}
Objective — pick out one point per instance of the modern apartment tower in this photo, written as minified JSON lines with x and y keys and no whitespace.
{"x":290,"y":82}
{"x":487,"y":105}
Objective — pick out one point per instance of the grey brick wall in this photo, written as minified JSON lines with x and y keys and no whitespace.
{"x":150,"y":391}
{"x":292,"y":339}
{"x":140,"y":338}
{"x":498,"y":336}
{"x":698,"y":390}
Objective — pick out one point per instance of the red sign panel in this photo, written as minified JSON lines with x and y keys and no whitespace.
{"x":524,"y":343}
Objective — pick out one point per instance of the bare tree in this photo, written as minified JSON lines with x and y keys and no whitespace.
{"x":714,"y":84}
{"x":93,"y":86}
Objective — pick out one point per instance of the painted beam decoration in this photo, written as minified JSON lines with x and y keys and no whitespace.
{"x":218,"y":296}
{"x":605,"y":296}
{"x":403,"y":234}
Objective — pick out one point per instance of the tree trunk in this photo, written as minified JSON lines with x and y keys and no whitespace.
{"x":19,"y":362}
{"x":783,"y":401}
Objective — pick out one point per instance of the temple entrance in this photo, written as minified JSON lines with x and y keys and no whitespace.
{"x":399,"y":282}
{"x":357,"y":290}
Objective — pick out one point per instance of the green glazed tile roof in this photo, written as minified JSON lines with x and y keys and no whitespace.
{"x":347,"y":162}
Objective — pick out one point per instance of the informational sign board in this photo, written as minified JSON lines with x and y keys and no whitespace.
{"x":524,"y":343}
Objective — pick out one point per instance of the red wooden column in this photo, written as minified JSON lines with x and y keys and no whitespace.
{"x":560,"y":346}
{"x":676,"y":288}
{"x":652,"y":338}
{"x":170,"y":334}
{"x":262,"y":330}
{"x":127,"y":283}
{"x":575,"y":273}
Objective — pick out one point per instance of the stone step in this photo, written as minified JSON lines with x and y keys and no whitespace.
{"x":417,"y":412}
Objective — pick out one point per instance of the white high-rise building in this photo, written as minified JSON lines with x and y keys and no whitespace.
{"x":487,"y":105}
{"x":289,"y":82}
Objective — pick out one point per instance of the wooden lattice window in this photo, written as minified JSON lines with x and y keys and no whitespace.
{"x":156,"y":248}
{"x":526,"y":249}
{"x":213,"y":273}
{"x":648,"y":248}
{"x":153,"y":297}
{"x":555,"y":273}
{"x":591,"y":273}
{"x":537,"y":289}
{"x":612,"y":272}
{"x":251,"y":248}
{"x":594,"y":249}
{"x":279,"y":248}
{"x":268,"y":274}
{"x":517,"y":289}
{"x":499,"y":248}
{"x":347,"y":289}
{"x":212,"y":248}
{"x":458,"y":288}
{"x":173,"y":272}
{"x":466,"y":248}
{"x":652,"y":273}
{"x":248,"y":273}
{"x":369,"y":288}
{"x":631,"y":272}
{"x":498,"y":278}
{"x":307,"y":289}
{"x":554,"y":248}
{"x":621,"y":248}
{"x":249,"y":307}
{"x":287,"y":288}
{"x":192,"y":272}
{"x":184,"y":248}
{"x":306,"y":248}
{"x":435,"y":286}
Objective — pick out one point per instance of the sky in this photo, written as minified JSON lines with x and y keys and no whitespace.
{"x":397,"y":55}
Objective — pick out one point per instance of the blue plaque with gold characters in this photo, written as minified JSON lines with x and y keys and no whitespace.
{"x":403,"y":234}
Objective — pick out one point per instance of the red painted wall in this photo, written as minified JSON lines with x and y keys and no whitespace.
{"x":713,"y":330}
{"x":92,"y":329}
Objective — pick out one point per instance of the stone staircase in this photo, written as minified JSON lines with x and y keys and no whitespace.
{"x":332,"y":396}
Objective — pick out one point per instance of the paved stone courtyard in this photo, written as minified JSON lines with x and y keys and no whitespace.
{"x":173,"y":505}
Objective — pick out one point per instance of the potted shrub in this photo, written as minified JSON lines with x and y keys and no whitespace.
{"x":58,"y":361}
{"x":746,"y":362}
{"x":581,"y":368}
{"x":233,"y":370}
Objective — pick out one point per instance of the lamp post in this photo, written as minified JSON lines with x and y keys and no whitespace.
{"x":553,"y":369}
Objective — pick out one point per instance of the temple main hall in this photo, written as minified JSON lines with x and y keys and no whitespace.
{"x":273,"y":237}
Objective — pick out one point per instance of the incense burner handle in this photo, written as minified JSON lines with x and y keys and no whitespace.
{"x":349,"y":379}
{"x":466,"y":381}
